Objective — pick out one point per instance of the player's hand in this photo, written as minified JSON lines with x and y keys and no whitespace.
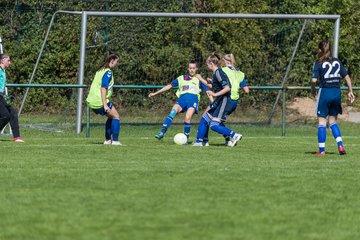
{"x":313,"y":93}
{"x":209,"y":80}
{"x":151,"y":94}
{"x":107,"y":109}
{"x":351,"y":97}
{"x":211,"y":93}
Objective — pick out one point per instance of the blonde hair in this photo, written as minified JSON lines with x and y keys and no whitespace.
{"x":228,"y":58}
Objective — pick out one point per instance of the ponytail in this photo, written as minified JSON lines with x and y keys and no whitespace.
{"x":214,"y":58}
{"x":107,"y":59}
{"x":325,"y":53}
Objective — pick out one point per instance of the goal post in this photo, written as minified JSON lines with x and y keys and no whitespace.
{"x":85,"y":14}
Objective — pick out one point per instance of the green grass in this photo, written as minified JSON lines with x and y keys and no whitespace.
{"x":64,"y":186}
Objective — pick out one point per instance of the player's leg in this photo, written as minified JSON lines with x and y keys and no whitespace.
{"x":4,"y":113}
{"x":187,"y":121}
{"x":14,"y":123}
{"x":234,"y":106}
{"x":322,"y":135}
{"x":203,"y":128}
{"x":168,"y":120}
{"x":335,"y":109}
{"x":220,"y":115}
{"x":217,"y":126}
{"x":336,"y":133}
{"x":322,"y":111}
{"x":115,"y":125}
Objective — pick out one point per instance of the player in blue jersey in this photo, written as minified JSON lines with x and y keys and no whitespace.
{"x":188,"y":90}
{"x":7,"y":112}
{"x":329,"y":70}
{"x":99,"y":97}
{"x":220,"y":107}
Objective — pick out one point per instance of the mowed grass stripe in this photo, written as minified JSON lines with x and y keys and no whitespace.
{"x":55,"y":187}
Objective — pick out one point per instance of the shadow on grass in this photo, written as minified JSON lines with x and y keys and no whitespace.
{"x":314,"y":153}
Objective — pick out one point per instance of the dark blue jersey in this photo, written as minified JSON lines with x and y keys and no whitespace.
{"x":330,"y":73}
{"x":220,"y":80}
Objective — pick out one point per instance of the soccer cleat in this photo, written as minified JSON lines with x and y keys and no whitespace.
{"x":18,"y":139}
{"x":107,"y":142}
{"x":197,"y":144}
{"x":341,"y":150}
{"x":116,"y":143}
{"x":237,"y":137}
{"x":320,"y":153}
{"x":159,"y":135}
{"x":206,"y":144}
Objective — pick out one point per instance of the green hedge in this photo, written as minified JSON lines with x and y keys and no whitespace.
{"x":155,"y":50}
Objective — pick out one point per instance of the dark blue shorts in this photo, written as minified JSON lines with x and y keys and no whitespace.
{"x":101,"y":111}
{"x":328,"y":102}
{"x":234,"y":104}
{"x":187,"y":101}
{"x":221,"y":107}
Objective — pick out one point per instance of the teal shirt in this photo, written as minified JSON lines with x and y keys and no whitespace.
{"x":2,"y":81}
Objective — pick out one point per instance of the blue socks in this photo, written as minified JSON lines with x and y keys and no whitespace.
{"x":112,"y":129}
{"x":336,"y":133}
{"x":168,"y":120}
{"x":321,"y":137}
{"x":108,"y":129}
{"x":222,"y":129}
{"x":187,"y":127}
{"x":227,"y":137}
{"x":115,"y":128}
{"x":203,"y":128}
{"x":166,"y":124}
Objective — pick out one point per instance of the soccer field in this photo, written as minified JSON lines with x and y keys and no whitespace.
{"x":65,"y":186}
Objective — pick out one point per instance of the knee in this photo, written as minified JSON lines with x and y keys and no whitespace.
{"x":187,"y":119}
{"x":214,"y":125}
{"x":206,"y":118}
{"x":6,"y":117}
{"x":173,"y":113}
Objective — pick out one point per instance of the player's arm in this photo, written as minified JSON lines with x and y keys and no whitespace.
{"x":314,"y":79}
{"x":206,"y":89}
{"x":221,"y":92}
{"x":205,"y":82}
{"x":244,"y":86}
{"x":344,"y":73}
{"x":164,"y":89}
{"x":224,"y":81}
{"x":103,"y":98}
{"x":313,"y":86}
{"x":351,"y":96}
{"x":104,"y":88}
{"x":211,"y":98}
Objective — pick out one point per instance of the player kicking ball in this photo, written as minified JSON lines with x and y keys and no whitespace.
{"x":188,"y":93}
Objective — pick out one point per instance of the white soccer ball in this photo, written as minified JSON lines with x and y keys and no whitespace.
{"x":180,"y":139}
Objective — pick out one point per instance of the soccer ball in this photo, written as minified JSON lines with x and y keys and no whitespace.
{"x":180,"y":139}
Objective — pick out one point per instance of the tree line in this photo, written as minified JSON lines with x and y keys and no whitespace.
{"x":156,"y":50}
